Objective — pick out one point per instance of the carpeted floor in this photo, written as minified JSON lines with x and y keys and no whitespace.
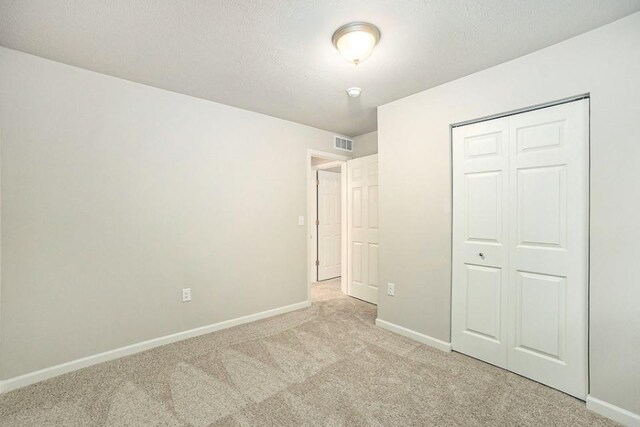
{"x":325,"y":365}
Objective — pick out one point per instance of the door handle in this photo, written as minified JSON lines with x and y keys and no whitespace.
{"x":481,"y":255}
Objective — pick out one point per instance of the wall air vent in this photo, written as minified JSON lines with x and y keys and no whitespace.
{"x":342,"y":143}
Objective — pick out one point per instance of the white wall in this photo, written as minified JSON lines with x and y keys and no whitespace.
{"x":415,"y":191}
{"x":365,"y":145}
{"x":116,"y":195}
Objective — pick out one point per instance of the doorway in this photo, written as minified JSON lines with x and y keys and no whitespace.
{"x":335,"y":166}
{"x":358,"y":236}
{"x":521,"y":243}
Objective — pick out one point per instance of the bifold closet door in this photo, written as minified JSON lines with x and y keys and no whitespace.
{"x":362,"y":226}
{"x":480,"y":233}
{"x":549,"y":249}
{"x":520,"y":191}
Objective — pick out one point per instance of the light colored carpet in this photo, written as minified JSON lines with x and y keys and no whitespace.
{"x":325,"y":365}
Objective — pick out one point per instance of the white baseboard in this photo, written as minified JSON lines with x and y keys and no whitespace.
{"x":417,"y":336}
{"x":54,"y":371}
{"x":601,"y":407}
{"x":614,"y":412}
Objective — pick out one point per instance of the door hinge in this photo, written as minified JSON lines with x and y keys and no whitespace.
{"x":317,"y":222}
{"x":317,"y":182}
{"x":317,"y":263}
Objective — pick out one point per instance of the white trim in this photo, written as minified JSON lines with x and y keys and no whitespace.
{"x":328,"y":165}
{"x":326,"y":155}
{"x":54,"y":371}
{"x":613,"y":412}
{"x":416,"y":336}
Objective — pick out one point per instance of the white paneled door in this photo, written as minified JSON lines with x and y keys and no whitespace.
{"x":520,"y":243}
{"x":329,"y":225}
{"x":362,"y":226}
{"x":481,"y":227}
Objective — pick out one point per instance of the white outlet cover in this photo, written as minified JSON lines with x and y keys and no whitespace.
{"x":186,"y":294}
{"x":391,"y":289}
{"x":301,"y":220}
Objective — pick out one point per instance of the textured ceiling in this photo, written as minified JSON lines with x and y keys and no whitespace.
{"x":276,"y":56}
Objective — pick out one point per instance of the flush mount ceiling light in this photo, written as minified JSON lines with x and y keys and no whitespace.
{"x":355,"y":41}
{"x":354,"y":92}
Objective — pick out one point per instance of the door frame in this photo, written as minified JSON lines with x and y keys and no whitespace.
{"x":312,"y":247}
{"x":511,"y":113}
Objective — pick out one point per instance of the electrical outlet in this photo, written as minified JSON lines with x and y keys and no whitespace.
{"x":391,"y":289}
{"x":186,"y":295}
{"x":301,"y":220}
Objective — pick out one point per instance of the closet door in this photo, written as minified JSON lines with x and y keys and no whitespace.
{"x":480,"y":239}
{"x":548,"y":252}
{"x":520,"y":243}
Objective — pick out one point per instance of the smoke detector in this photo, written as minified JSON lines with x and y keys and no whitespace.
{"x":354,"y":92}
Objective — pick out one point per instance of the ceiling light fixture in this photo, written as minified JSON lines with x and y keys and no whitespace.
{"x":355,"y":41}
{"x":354,"y":92}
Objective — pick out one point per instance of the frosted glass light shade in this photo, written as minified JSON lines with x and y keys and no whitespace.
{"x":355,"y":41}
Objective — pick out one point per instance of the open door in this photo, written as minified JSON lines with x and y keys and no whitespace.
{"x":329,"y":225}
{"x":362,"y":226}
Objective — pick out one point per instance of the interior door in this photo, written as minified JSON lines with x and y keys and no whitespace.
{"x":520,"y":243}
{"x":480,"y":240}
{"x":548,"y":277}
{"x":329,"y":225}
{"x":362,"y":226}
